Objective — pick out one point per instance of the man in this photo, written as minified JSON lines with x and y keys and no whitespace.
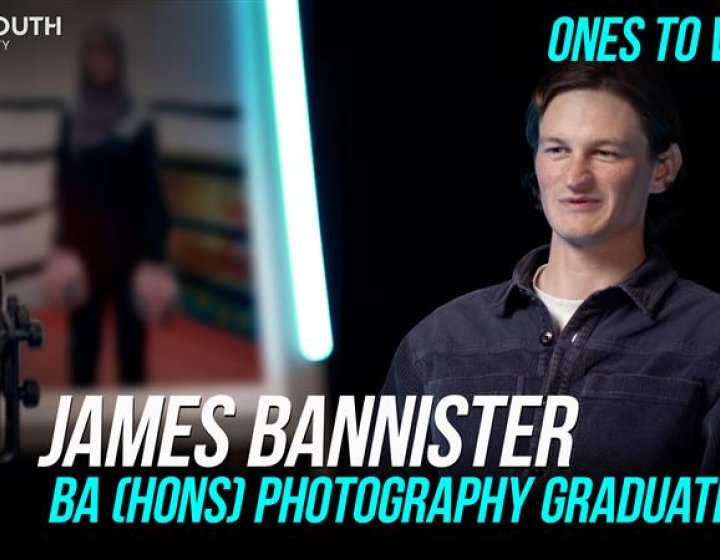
{"x":598,"y":314}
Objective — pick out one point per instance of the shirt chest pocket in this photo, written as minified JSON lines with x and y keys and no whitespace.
{"x":643,"y":389}
{"x":638,"y":424}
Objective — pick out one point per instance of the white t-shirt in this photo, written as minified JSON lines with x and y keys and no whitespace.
{"x":560,"y":309}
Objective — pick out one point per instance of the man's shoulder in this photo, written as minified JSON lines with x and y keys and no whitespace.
{"x":458,"y":322}
{"x":689,"y":294}
{"x":691,"y":312}
{"x":691,"y":300}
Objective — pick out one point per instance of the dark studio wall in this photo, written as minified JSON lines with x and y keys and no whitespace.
{"x":418,"y":121}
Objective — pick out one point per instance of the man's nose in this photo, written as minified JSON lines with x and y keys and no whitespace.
{"x":578,"y":174}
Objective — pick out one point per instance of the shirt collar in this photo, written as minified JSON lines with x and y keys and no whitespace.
{"x":645,"y":285}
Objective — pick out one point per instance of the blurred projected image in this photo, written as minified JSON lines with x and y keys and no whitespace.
{"x":123,"y":220}
{"x":112,"y":222}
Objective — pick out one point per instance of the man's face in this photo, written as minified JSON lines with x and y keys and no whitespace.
{"x":593,"y":166}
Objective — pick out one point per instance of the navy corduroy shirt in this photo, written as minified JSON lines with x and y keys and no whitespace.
{"x":641,"y":357}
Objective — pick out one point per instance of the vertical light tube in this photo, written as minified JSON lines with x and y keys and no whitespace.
{"x":297,"y":176}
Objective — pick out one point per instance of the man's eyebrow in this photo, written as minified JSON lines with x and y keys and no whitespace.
{"x":610,"y":140}
{"x":554,"y":139}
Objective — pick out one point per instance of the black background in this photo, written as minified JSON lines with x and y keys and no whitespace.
{"x":418,"y":114}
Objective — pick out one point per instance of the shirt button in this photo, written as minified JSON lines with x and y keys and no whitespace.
{"x":536,"y":471}
{"x":546,"y":338}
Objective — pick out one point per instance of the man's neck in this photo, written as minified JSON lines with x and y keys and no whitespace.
{"x":575,"y":272}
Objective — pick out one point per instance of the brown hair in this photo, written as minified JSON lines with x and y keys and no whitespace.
{"x":628,"y":81}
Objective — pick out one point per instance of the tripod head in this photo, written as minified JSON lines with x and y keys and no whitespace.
{"x":16,"y":326}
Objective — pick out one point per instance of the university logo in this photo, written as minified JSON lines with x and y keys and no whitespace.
{"x":23,"y":26}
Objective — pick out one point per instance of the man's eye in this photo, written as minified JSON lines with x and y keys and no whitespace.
{"x":608,"y":154}
{"x":556,"y":150}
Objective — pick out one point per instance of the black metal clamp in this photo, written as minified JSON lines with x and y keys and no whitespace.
{"x":16,"y":326}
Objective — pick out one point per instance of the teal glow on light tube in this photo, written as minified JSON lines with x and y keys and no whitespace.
{"x":307,"y":269}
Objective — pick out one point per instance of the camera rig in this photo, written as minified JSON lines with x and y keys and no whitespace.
{"x":16,"y":327}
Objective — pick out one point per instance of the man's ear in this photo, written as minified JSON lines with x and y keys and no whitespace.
{"x":667,"y":166}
